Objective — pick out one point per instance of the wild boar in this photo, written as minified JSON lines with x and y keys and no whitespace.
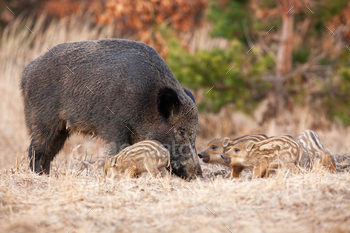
{"x":214,"y":149}
{"x":314,"y":151}
{"x":265,"y":156}
{"x":145,"y":156}
{"x":119,"y":90}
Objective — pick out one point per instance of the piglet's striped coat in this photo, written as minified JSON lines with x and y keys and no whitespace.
{"x":265,"y":156}
{"x":145,"y":156}
{"x":314,"y":151}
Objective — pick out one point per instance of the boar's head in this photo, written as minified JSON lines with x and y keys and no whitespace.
{"x":178,"y":129}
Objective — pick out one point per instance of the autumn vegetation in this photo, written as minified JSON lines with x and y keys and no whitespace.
{"x":297,"y":45}
{"x":272,"y":67}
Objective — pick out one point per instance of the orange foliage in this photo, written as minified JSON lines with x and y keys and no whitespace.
{"x":342,"y":21}
{"x":60,"y":8}
{"x":136,"y":17}
{"x":340,"y":25}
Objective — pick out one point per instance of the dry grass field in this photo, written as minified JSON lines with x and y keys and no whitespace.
{"x":80,"y":200}
{"x":77,"y":198}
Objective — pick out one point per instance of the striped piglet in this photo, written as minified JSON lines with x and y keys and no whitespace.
{"x":145,"y":156}
{"x":314,"y":151}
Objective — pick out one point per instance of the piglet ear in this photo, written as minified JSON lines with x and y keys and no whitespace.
{"x":249,"y":145}
{"x":225,"y":142}
{"x":168,"y":102}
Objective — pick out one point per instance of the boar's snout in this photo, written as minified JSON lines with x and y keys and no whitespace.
{"x":206,"y":159}
{"x":226,"y":158}
{"x":188,"y":168}
{"x":193,"y":166}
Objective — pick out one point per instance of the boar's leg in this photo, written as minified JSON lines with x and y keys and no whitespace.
{"x":163,"y":172}
{"x":45,"y":144}
{"x":235,"y":172}
{"x":292,"y":168}
{"x":131,"y":172}
{"x":328,"y":161}
{"x":34,"y":158}
{"x":154,"y":172}
{"x":116,"y":143}
{"x":260,"y":169}
{"x":110,"y":149}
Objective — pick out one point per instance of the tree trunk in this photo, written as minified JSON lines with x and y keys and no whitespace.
{"x":284,"y":53}
{"x":277,"y":99}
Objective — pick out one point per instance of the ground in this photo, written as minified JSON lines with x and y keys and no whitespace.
{"x":80,"y":199}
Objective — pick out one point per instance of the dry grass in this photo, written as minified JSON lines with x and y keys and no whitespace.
{"x":317,"y":201}
{"x":77,"y":195}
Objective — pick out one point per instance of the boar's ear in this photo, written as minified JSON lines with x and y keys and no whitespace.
{"x":168,"y":102}
{"x":189,"y":93}
{"x":225,"y":142}
{"x":249,"y":145}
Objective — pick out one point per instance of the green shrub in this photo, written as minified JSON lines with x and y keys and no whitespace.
{"x":241,"y":85}
{"x":227,"y":17}
{"x":338,"y":101}
{"x":301,"y":55}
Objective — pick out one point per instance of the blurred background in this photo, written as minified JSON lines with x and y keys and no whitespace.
{"x":257,"y":66}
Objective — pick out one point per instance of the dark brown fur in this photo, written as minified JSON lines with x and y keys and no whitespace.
{"x":119,"y":90}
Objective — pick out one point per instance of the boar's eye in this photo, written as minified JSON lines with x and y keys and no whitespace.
{"x":213,"y":147}
{"x":237,"y":150}
{"x":182,"y":133}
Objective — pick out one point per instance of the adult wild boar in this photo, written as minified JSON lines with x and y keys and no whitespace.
{"x":119,"y":90}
